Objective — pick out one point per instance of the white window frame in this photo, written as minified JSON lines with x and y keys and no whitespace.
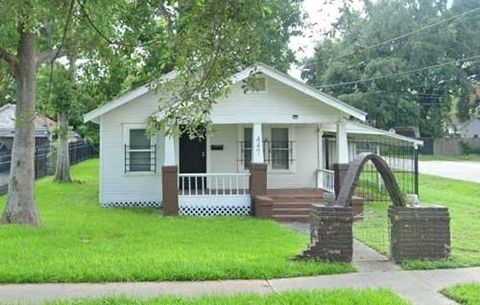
{"x":153,"y":153}
{"x":291,"y":139}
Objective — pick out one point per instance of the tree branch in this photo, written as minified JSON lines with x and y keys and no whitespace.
{"x":10,"y":58}
{"x":50,"y":55}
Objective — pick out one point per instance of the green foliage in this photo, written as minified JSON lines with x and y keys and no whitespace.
{"x":355,"y":54}
{"x":469,"y":149}
{"x":459,"y":196}
{"x":323,"y":297}
{"x":79,"y":241}
{"x":465,"y":294}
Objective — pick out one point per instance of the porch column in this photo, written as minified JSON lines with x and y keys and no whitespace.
{"x":340,"y":168}
{"x":169,"y":151}
{"x":169,"y":178}
{"x":320,"y":163}
{"x":257,"y":144}
{"x":342,"y":142}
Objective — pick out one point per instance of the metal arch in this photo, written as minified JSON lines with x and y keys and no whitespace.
{"x":350,"y":181}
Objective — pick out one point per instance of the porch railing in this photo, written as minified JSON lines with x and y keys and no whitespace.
{"x":325,"y":180}
{"x":213,"y":184}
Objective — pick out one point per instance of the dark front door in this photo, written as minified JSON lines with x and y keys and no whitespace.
{"x":193,"y":155}
{"x":193,"y":159}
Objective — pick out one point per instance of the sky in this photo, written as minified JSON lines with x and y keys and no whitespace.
{"x":321,"y":14}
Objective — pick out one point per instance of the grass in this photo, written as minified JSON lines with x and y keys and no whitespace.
{"x":79,"y":241}
{"x":471,"y":157}
{"x":462,"y":200}
{"x":465,"y":294}
{"x":324,"y":297}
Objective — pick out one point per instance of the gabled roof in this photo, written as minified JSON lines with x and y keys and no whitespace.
{"x":43,"y":125}
{"x":242,"y":75}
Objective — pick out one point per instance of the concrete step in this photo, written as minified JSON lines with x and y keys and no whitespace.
{"x":291,"y":218}
{"x":291,"y":211}
{"x":297,"y":198}
{"x":294,"y":205}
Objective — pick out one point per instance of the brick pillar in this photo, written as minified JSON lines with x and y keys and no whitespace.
{"x":258,"y":179}
{"x":258,"y":188}
{"x":419,"y":233}
{"x":340,"y":170}
{"x":170,"y":190}
{"x":331,"y":237}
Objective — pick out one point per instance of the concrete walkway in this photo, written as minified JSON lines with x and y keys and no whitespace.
{"x":421,"y":287}
{"x":461,"y":170}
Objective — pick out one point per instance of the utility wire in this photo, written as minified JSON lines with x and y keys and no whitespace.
{"x":396,"y":74}
{"x":427,"y":27}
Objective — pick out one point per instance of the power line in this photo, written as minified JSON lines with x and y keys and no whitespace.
{"x":396,"y":74}
{"x":427,"y":27}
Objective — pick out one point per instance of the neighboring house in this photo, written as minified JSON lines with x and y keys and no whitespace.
{"x":283,"y":125}
{"x":44,"y":127}
{"x":471,"y":128}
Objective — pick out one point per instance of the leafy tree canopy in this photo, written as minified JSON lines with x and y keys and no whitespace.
{"x":405,"y":62}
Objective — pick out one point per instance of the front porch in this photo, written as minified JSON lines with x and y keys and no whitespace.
{"x":214,"y":175}
{"x":285,"y":166}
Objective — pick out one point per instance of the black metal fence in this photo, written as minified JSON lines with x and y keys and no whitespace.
{"x":45,"y":160}
{"x":401,"y":157}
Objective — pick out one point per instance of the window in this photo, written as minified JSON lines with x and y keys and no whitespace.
{"x":140,"y":154}
{"x":259,"y":84}
{"x":280,"y":148}
{"x":247,"y":147}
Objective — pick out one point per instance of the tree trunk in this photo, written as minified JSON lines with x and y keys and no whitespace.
{"x":21,"y":207}
{"x":62,"y":170}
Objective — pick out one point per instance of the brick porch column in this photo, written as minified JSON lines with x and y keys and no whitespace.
{"x":340,"y":170}
{"x":262,"y":207}
{"x":169,"y":179}
{"x":170,"y":190}
{"x":258,"y":179}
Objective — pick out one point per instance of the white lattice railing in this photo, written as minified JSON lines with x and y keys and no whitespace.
{"x":213,"y":184}
{"x":325,"y":180}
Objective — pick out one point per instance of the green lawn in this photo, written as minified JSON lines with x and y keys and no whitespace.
{"x":79,"y":241}
{"x":320,"y":297}
{"x":471,"y":157}
{"x":462,"y":199}
{"x":465,"y":294}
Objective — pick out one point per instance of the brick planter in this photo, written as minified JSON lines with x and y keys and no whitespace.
{"x":330,"y":234}
{"x":419,"y":233}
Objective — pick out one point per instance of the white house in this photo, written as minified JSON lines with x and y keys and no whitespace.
{"x":471,"y":128}
{"x":282,"y":124}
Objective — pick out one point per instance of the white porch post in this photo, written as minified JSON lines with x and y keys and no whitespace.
{"x":320,"y":162}
{"x":257,"y":144}
{"x":342,"y":142}
{"x":169,"y":152}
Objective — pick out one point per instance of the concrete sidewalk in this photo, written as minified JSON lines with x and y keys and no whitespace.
{"x":420,"y":287}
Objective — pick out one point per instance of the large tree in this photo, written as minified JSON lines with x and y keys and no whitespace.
{"x":404,"y":62}
{"x":22,"y":23}
{"x":204,"y":41}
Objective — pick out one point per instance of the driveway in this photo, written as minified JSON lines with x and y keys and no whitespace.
{"x":461,"y":170}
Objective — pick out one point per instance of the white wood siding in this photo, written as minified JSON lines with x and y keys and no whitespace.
{"x":276,"y":106}
{"x":116,"y":186}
